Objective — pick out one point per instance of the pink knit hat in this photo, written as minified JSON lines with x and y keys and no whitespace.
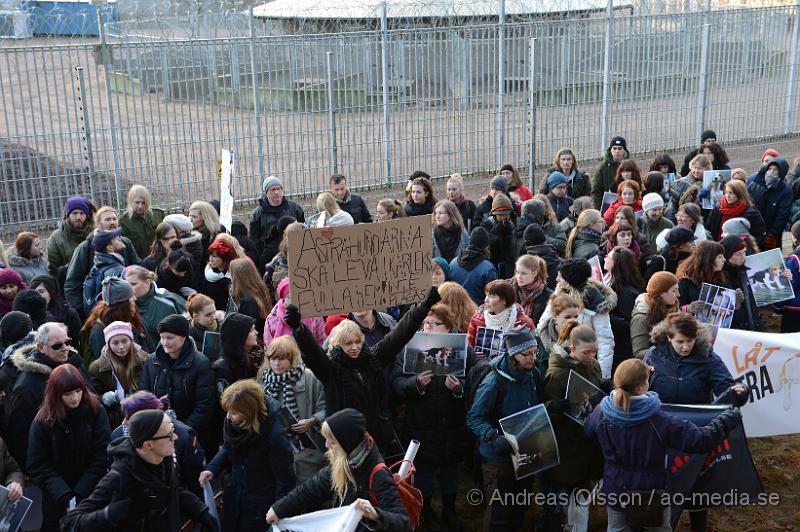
{"x":116,"y":328}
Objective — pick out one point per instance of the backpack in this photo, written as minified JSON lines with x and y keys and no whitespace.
{"x":410,"y":497}
{"x":474,"y":379}
{"x":93,"y":285}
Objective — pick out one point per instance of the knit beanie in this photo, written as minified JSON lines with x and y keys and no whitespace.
{"x":708,"y":134}
{"x":332,"y":321}
{"x":102,"y":239}
{"x":736,"y":227}
{"x":143,"y":425}
{"x":9,"y":276}
{"x":175,"y":324}
{"x":445,"y":266}
{"x":575,"y":271}
{"x":115,"y":290}
{"x":180,"y":222}
{"x":619,"y":141}
{"x":14,"y":326}
{"x":222,"y":249}
{"x":348,"y":427}
{"x":117,"y":328}
{"x":507,"y":167}
{"x":479,"y":238}
{"x":770,"y":151}
{"x":502,"y":205}
{"x":534,"y":235}
{"x":651,"y":201}
{"x":519,"y":339}
{"x":78,"y":203}
{"x":500,"y":183}
{"x":555,"y":179}
{"x":33,"y":304}
{"x":269,"y":182}
{"x":660,"y":282}
{"x":731,"y":244}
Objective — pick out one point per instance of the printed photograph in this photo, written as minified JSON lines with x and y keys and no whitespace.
{"x":715,"y":180}
{"x":768,"y":278}
{"x":669,"y":179}
{"x":719,"y":305}
{"x":531,"y":434}
{"x":597,"y":271}
{"x":581,"y":394}
{"x":608,"y":199}
{"x":441,"y":353}
{"x":489,"y":342}
{"x":12,"y":513}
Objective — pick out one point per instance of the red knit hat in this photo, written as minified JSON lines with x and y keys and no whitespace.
{"x":332,"y":321}
{"x":223,"y":249}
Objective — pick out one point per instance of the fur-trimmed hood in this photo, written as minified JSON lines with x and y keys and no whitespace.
{"x":598,"y":298}
{"x":702,"y":346}
{"x":24,"y":359}
{"x":191,"y":238}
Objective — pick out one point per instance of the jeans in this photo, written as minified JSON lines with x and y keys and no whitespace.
{"x":427,"y":473}
{"x":618,"y":522}
{"x":505,"y":512}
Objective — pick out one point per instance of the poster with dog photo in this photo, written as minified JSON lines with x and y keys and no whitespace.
{"x":533,"y":439}
{"x":441,"y":353}
{"x":489,"y":342}
{"x":718,"y":305}
{"x":768,"y":278}
{"x":714,"y":181}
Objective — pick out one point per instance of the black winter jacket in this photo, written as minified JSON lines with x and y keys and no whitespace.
{"x":359,"y":382}
{"x":69,"y":459}
{"x":259,"y":471}
{"x":354,"y":205}
{"x":188,"y":382}
{"x":580,"y":185}
{"x":157,"y":500}
{"x":316,"y":492}
{"x":263,"y":221}
{"x":757,"y":228}
{"x":773,"y":203}
{"x":27,"y":395}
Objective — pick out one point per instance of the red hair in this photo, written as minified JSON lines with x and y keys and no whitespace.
{"x":223,"y":250}
{"x":64,"y":379}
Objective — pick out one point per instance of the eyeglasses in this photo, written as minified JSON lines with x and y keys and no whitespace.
{"x":58,"y":345}
{"x":431,"y":323}
{"x":527,"y":354}
{"x":165,"y":436}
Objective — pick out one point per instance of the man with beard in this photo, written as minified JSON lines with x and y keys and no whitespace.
{"x":73,"y":229}
{"x":348,"y":202}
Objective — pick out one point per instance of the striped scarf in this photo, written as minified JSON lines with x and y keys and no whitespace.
{"x":282,"y":386}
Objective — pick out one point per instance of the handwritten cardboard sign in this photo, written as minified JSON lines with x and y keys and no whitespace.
{"x":339,"y":269}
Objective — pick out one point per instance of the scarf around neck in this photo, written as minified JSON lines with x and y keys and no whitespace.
{"x":359,"y":455}
{"x":213,"y":275}
{"x":447,"y":240}
{"x":281,"y":386}
{"x":237,"y":438}
{"x":504,"y":321}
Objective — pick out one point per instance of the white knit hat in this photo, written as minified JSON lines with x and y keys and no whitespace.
{"x":651,"y":201}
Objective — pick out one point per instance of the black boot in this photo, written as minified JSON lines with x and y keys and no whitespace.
{"x":450,"y":518}
{"x":429,"y":519}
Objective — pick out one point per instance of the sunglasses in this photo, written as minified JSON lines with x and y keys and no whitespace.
{"x":166,"y":436}
{"x":59,"y":345}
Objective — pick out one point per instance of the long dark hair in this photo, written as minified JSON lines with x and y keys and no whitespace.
{"x":122,"y":311}
{"x":699,"y":266}
{"x":51,"y":285}
{"x":64,"y":379}
{"x":157,"y":251}
{"x":624,"y":272}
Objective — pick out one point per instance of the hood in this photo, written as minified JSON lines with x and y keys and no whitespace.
{"x":541,"y":250}
{"x":640,"y":306}
{"x":107,"y":259}
{"x":21,"y":262}
{"x":560,"y":358}
{"x":190,"y":238}
{"x":232,"y":334}
{"x":702,"y":346}
{"x":503,"y":367}
{"x":340,"y":218}
{"x":28,"y":358}
{"x":783,"y":166}
{"x":598,"y":297}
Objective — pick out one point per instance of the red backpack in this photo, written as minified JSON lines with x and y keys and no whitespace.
{"x":410,"y":497}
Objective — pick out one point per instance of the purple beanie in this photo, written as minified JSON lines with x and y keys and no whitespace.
{"x":78,"y":203}
{"x":9,"y":276}
{"x":141,"y":400}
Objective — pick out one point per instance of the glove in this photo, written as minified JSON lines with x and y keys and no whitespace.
{"x":739,"y":298}
{"x":741,"y":399}
{"x":501,"y":445}
{"x":433,"y":297}
{"x":292,"y":317}
{"x":558,"y":407}
{"x":110,"y":398}
{"x":727,"y":421}
{"x":117,"y":511}
{"x":770,"y":242}
{"x":704,"y":193}
{"x":208,"y":522}
{"x":695,"y":307}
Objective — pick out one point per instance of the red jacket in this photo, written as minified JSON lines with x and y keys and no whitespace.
{"x":608,"y":216}
{"x":478,"y":320}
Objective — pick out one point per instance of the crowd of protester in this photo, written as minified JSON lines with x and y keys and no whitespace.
{"x":145,"y":354}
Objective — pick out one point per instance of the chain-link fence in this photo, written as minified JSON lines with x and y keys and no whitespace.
{"x":85,"y":118}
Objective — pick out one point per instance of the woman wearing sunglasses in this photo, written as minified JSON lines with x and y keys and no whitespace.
{"x":68,"y":439}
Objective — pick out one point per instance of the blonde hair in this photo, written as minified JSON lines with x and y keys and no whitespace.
{"x":283,"y":247}
{"x":585,"y":219}
{"x":234,"y":242}
{"x":246,"y":397}
{"x":245,"y":281}
{"x":341,"y":476}
{"x":561,"y":302}
{"x":133,"y":193}
{"x":456,"y":179}
{"x":209,"y":215}
{"x":393,"y":207}
{"x":452,"y":212}
{"x":739,"y":174}
{"x":343,"y":331}
{"x":549,"y":213}
{"x":100,"y":212}
{"x":701,"y":160}
{"x":282,"y":348}
{"x":125,"y":369}
{"x":535,"y":264}
{"x":630,"y":374}
{"x":141,"y":273}
{"x":461,"y":305}
{"x":327,"y":203}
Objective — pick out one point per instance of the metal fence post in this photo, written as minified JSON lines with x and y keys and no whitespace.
{"x":86,"y":136}
{"x":105,"y":57}
{"x":256,"y":103}
{"x":792,"y":72}
{"x":501,"y":83}
{"x":331,"y":115}
{"x":606,"y":75}
{"x":533,"y":95}
{"x":703,"y":82}
{"x":387,"y":144}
